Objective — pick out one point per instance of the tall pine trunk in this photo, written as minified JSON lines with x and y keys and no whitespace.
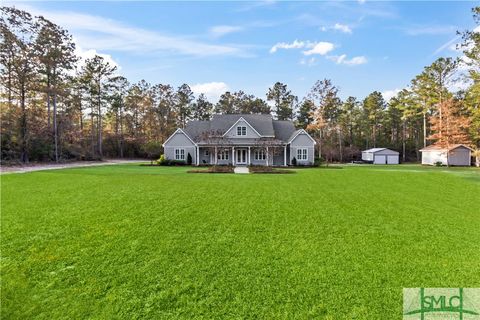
{"x":99,"y":119}
{"x":320,"y":144}
{"x":23,"y":125}
{"x":92,"y":129}
{"x":404,"y":142}
{"x":424,"y":129}
{"x":340,"y":143}
{"x":55,"y":128}
{"x":48,"y":101}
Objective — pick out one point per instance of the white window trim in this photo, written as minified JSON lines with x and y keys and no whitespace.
{"x":243,"y":130}
{"x":179,"y":154}
{"x":259,"y":155}
{"x":303,"y":155}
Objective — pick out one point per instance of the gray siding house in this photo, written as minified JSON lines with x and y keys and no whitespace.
{"x":241,"y":139}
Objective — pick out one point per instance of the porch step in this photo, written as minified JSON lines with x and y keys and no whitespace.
{"x":241,"y":170}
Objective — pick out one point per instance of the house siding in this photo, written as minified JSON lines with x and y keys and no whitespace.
{"x":457,"y":157}
{"x":434,"y":156}
{"x":204,"y":159}
{"x":275,"y":137}
{"x":232,"y":133}
{"x":302,"y":141}
{"x":275,"y":158}
{"x":460,"y":157}
{"x":367,"y":156}
{"x":180,"y":141}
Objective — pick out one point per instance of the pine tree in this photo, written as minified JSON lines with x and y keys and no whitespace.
{"x":283,"y":99}
{"x":450,"y":125}
{"x":202,"y":108}
{"x":56,"y":55}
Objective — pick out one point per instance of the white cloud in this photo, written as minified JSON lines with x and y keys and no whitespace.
{"x":342,"y":27}
{"x":97,"y":32}
{"x":361,"y":1}
{"x":338,"y":27}
{"x":219,"y":31}
{"x":89,"y":54}
{"x":321,"y":48}
{"x":294,"y":45}
{"x":212,"y":90}
{"x":342,"y":59}
{"x":389,"y":94}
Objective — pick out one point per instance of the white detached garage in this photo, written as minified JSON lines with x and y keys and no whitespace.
{"x":455,"y":155}
{"x":381,"y":156}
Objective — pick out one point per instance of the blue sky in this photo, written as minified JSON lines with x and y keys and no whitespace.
{"x":216,"y":46}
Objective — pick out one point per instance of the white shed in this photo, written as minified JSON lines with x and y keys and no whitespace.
{"x":381,"y":156}
{"x":458,"y":155}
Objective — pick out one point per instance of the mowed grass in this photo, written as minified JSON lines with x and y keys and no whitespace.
{"x":135,"y":242}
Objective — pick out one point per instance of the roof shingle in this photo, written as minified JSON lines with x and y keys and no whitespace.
{"x":262,"y":123}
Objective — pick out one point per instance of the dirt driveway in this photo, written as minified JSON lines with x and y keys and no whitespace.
{"x":53,"y":166}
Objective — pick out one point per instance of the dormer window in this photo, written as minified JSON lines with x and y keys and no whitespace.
{"x":241,"y":131}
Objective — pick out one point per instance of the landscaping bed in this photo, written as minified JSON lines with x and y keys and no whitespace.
{"x":213,"y":169}
{"x":264,"y":169}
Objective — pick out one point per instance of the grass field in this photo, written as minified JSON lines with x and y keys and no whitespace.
{"x":152,"y":242}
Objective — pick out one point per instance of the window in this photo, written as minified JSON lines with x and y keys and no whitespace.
{"x":302,"y":154}
{"x":179,"y":154}
{"x":241,"y":131}
{"x":259,"y":155}
{"x":207,"y":153}
{"x":223,"y":155}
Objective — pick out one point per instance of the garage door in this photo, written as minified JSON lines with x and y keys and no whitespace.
{"x":379,"y":159}
{"x":392,"y":159}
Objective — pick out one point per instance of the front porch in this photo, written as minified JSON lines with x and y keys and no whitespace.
{"x":276,"y":155}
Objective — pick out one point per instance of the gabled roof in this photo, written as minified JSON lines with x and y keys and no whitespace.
{"x":296,"y":133}
{"x":434,"y":147}
{"x":179,"y":131}
{"x":375,"y":150}
{"x":261,"y":122}
{"x":243,"y":119}
{"x":196,"y":128}
{"x":283,"y":129}
{"x":213,"y":131}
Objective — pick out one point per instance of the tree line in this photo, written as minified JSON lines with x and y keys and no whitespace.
{"x":55,"y":106}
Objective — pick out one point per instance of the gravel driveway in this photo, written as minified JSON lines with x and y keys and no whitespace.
{"x":53,"y":166}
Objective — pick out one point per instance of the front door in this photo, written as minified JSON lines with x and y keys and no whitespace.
{"x":241,"y":156}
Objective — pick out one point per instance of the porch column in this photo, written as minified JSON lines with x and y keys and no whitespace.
{"x":198,"y":156}
{"x":249,"y":158}
{"x":216,"y":155}
{"x":233,"y":155}
{"x":267,"y":156}
{"x":285,"y":155}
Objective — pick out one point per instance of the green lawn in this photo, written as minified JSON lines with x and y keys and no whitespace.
{"x":132,"y":242}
